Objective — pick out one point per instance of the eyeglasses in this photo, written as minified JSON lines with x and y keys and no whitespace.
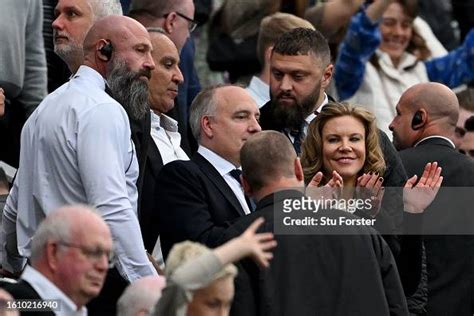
{"x":93,"y":254}
{"x":191,"y":23}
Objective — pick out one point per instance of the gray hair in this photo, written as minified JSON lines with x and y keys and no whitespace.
{"x":141,"y":295}
{"x":57,"y":227}
{"x":156,"y":29}
{"x":103,"y":8}
{"x":203,"y":105}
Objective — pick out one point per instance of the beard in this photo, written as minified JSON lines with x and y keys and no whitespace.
{"x":292,"y":116}
{"x":128,"y":89}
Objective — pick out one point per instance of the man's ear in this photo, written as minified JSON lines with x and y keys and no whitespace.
{"x":52,"y":254}
{"x":170,"y":20}
{"x":246,"y":186}
{"x":299,"y":170}
{"x":327,"y":76}
{"x":206,"y":126}
{"x":268,"y":55}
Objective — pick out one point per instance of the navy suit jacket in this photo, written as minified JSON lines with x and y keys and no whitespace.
{"x":194,"y":203}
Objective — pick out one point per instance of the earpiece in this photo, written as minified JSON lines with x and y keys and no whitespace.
{"x":417,"y":121}
{"x":107,"y":50}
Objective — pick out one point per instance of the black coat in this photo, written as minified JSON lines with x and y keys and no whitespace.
{"x":195,"y":203}
{"x":317,"y":274}
{"x":449,"y":258}
{"x":148,"y":202}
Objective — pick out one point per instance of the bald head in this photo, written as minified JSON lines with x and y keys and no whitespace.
{"x":114,"y":28}
{"x":439,"y":101}
{"x":424,"y":110}
{"x":119,"y":49}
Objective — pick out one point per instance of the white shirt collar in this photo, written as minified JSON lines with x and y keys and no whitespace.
{"x":91,"y":75}
{"x":163,"y":121}
{"x":48,"y":290}
{"x":436,"y":136}
{"x":222,"y":166}
{"x":312,"y":116}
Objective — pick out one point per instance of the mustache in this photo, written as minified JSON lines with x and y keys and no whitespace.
{"x":144,"y":72}
{"x":284,"y":94}
{"x":58,"y":33}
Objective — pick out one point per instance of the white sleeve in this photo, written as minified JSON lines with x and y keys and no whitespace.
{"x":105,"y":153}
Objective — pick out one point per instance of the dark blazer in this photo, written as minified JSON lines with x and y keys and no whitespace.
{"x":194,"y":203}
{"x":317,"y":273}
{"x":148,"y":212}
{"x":21,"y":291}
{"x":450,"y":259}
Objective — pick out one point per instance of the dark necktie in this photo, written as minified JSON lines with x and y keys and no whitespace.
{"x":297,"y":139}
{"x":236,"y":173}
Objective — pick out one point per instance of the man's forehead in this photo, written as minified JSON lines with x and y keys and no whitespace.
{"x":162,"y":45}
{"x":73,"y":4}
{"x":132,"y":37}
{"x":290,"y":61}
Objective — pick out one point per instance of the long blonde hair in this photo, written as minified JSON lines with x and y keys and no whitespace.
{"x":312,"y":157}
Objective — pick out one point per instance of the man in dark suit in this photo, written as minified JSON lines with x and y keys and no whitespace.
{"x":198,"y":199}
{"x":340,"y":270}
{"x":300,"y":72}
{"x":69,"y":260}
{"x":423,"y":128}
{"x":164,"y":139}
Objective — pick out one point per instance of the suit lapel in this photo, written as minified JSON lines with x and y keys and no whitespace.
{"x":218,"y":181}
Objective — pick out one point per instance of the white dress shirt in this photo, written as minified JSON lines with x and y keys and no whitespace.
{"x":224,"y":167}
{"x":49,"y":291}
{"x":164,"y":131}
{"x":77,"y":148}
{"x":259,"y":90}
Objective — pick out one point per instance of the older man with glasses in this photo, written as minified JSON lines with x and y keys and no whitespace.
{"x":70,"y":256}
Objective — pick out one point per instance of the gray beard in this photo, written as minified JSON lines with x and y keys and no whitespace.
{"x":129,"y":90}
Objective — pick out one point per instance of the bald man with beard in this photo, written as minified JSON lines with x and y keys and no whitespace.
{"x":76,"y":148}
{"x":423,"y":130}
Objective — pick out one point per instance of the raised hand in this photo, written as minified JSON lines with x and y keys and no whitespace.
{"x":333,"y":188}
{"x":335,"y":182}
{"x":249,"y":243}
{"x":418,"y":196}
{"x":257,"y":246}
{"x":369,"y":186}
